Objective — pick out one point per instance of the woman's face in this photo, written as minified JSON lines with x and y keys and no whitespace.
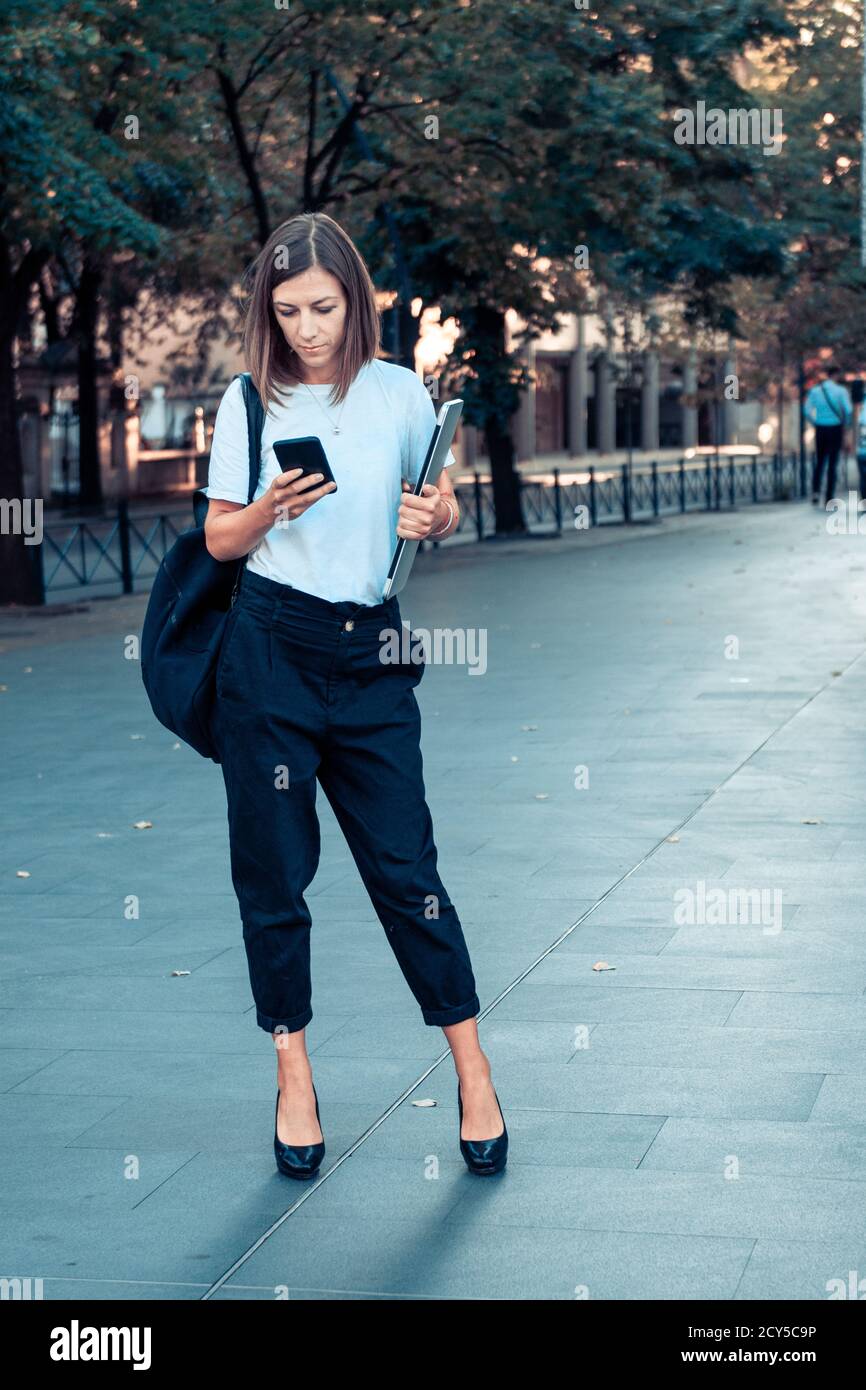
{"x":311,"y":311}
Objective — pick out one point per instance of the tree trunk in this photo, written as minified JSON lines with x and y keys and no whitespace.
{"x":90,"y":490}
{"x":20,"y":564}
{"x":497,"y":388}
{"x":504,"y":476}
{"x":409,"y":334}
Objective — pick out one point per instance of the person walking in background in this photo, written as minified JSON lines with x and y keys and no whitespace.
{"x":828,"y":407}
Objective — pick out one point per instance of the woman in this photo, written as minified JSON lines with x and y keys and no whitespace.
{"x":304,"y":693}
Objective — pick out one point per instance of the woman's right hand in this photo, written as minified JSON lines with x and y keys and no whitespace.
{"x":290,"y":495}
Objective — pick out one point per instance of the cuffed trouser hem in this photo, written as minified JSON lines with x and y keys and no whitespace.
{"x":441,"y":1017}
{"x":284,"y":1025}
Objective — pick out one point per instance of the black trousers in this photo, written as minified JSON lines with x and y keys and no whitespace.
{"x":828,"y":443}
{"x":304,"y":696}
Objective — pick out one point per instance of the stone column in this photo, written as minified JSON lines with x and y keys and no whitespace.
{"x":577,"y":392}
{"x":649,"y":403}
{"x":605,"y":405}
{"x":690,"y":412}
{"x":729,"y":412}
{"x":524,"y":420}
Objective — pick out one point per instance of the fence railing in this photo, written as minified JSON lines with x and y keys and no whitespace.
{"x":123,"y":552}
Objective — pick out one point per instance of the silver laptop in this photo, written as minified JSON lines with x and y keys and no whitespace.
{"x":437,"y":452}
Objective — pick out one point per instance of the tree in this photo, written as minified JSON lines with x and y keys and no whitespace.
{"x":55,"y":189}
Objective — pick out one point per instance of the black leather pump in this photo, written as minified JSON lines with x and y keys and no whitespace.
{"x":484,"y":1156}
{"x":298,"y":1160}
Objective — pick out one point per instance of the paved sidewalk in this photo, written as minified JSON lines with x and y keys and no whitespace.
{"x":690,"y":1123}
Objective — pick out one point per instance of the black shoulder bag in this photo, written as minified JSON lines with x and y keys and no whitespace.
{"x":186,"y":613}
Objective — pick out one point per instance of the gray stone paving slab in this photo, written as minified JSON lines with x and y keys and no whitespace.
{"x":667,"y":1203}
{"x":101,"y":1179}
{"x":671,"y":1045}
{"x":710,"y":972}
{"x":119,"y":1290}
{"x":812,"y":1012}
{"x":19,"y":1063}
{"x":586,"y":1083}
{"x":811,"y":1150}
{"x":842,"y":1100}
{"x":223,"y":1124}
{"x":35,"y":1121}
{"x":589,"y":1003}
{"x":490,"y":1263}
{"x":703,"y":1041}
{"x":562,"y":1137}
{"x":60,"y":1237}
{"x":107,"y":1073}
{"x":782,"y":1269}
{"x":793,"y":938}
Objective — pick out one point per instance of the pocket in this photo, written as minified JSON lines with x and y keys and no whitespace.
{"x":225,"y":648}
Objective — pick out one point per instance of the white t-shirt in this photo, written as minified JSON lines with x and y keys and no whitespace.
{"x":341,"y":548}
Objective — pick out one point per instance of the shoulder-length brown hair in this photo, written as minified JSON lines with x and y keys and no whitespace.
{"x":310,"y":239}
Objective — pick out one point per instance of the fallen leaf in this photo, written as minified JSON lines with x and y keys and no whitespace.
{"x":811,"y":822}
{"x":673,"y":839}
{"x":143,"y":825}
{"x":425,"y":1104}
{"x":603,"y":965}
{"x":181,"y":972}
{"x":541,"y":796}
{"x":22,"y":873}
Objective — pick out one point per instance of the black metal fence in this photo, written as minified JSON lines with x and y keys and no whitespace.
{"x":121,"y":553}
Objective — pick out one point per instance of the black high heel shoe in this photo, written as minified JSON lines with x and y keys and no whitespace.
{"x":298,"y":1160}
{"x":483,"y":1156}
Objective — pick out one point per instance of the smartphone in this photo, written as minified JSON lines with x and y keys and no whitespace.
{"x":306,"y":453}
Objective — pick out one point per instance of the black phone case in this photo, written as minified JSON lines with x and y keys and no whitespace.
{"x":306,"y":453}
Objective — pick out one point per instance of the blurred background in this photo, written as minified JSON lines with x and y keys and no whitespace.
{"x":628,"y":235}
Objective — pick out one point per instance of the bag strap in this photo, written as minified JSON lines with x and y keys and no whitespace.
{"x":255,"y":425}
{"x":829,"y":400}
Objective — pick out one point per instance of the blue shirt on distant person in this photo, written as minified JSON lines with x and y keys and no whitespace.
{"x":828,"y":403}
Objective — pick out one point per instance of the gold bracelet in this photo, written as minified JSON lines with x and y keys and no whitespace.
{"x":444,"y":528}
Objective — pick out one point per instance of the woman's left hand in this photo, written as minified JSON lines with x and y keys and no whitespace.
{"x":418,"y":516}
